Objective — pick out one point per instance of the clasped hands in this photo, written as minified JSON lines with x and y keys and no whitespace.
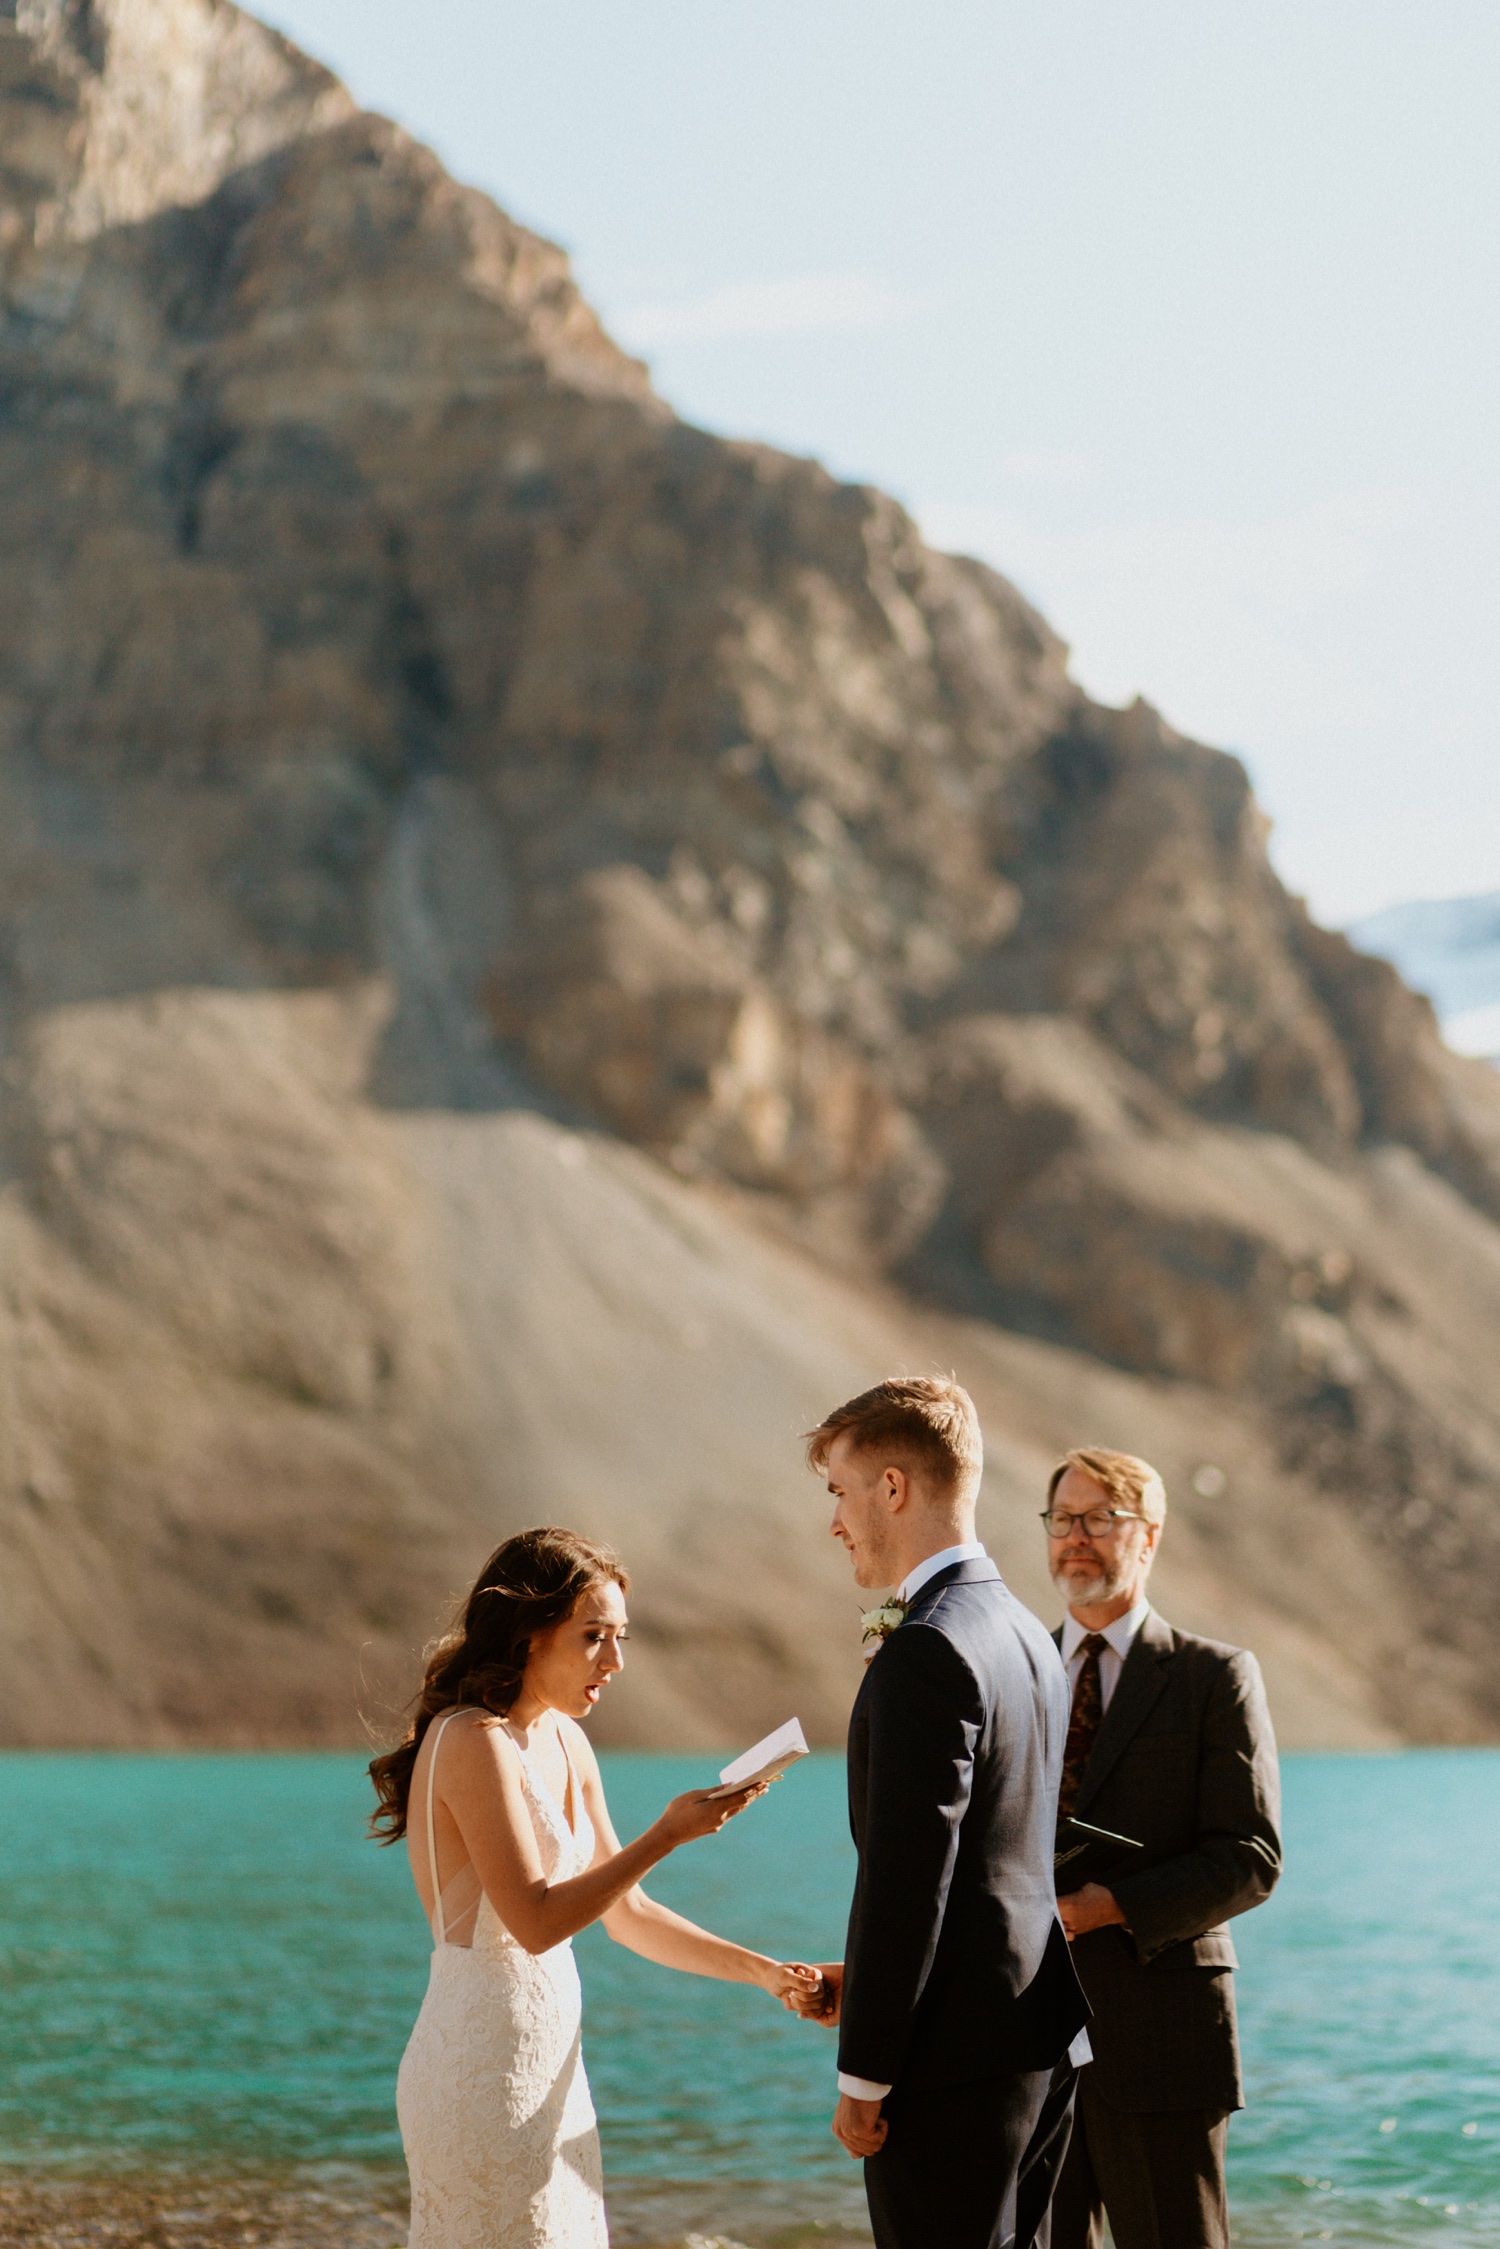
{"x":1092,"y":1907}
{"x":816,"y":1994}
{"x":858,"y":2126}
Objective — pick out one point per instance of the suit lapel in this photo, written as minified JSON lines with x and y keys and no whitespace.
{"x":1143,"y":1675}
{"x":856,"y":1755}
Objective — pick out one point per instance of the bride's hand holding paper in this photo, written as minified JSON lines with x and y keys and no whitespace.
{"x":703,"y":1811}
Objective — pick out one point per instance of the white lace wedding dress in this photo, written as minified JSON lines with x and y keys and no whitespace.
{"x":496,"y":2117}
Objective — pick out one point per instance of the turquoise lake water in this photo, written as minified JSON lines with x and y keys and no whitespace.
{"x":204,"y":1965}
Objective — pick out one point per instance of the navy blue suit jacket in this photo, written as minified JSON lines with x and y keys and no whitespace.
{"x":956,"y":1966}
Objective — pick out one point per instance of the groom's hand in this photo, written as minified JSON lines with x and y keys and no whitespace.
{"x":1092,"y":1907}
{"x":859,"y":2126}
{"x":821,"y":2003}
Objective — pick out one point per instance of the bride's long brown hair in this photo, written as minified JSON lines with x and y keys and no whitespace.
{"x":534,"y":1580}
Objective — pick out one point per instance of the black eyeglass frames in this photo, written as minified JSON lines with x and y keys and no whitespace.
{"x":1098,"y":1522}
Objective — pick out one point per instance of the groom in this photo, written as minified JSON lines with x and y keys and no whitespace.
{"x":956,"y":1999}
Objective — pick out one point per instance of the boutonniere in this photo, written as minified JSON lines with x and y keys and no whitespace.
{"x":877,"y":1625}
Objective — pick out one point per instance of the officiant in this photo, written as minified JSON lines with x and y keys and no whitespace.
{"x":1170,"y":1746}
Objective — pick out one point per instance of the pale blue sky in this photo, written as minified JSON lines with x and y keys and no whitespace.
{"x":1184,"y":313}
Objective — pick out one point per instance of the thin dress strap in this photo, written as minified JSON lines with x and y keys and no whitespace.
{"x":437,"y":1895}
{"x":571,"y":1792}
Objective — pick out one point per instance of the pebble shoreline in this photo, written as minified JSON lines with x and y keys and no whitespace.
{"x":198,"y":2213}
{"x":179,"y":2213}
{"x":354,"y":2210}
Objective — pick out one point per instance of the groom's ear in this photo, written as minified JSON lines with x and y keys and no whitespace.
{"x":897,"y":1487}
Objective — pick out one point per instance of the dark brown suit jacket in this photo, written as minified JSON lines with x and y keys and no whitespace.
{"x":1184,"y":1761}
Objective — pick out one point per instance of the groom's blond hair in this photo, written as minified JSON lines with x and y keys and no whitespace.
{"x":924,"y":1424}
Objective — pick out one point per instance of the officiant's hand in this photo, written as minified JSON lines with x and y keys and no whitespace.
{"x":820,"y":2003}
{"x":1092,"y":1907}
{"x":859,"y":2126}
{"x":703,"y":1811}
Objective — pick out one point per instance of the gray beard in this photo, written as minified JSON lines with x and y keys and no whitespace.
{"x":1086,"y":1593}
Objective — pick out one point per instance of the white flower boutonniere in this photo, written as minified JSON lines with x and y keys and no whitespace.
{"x":877,"y":1625}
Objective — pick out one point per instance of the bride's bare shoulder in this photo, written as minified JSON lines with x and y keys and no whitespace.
{"x":478,"y":1737}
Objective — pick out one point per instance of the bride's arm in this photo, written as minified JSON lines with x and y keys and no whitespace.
{"x":481,"y":1786}
{"x":659,"y":1934}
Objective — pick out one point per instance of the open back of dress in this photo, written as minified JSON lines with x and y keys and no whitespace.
{"x":496,"y":2117}
{"x":455,"y":1908}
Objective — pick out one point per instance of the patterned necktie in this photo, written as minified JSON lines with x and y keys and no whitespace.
{"x":1083,"y":1725}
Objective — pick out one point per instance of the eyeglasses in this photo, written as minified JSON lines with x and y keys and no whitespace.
{"x":1098,"y":1522}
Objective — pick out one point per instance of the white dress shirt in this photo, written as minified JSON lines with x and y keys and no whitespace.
{"x":914,"y":1580}
{"x":862,"y":2088}
{"x":1119,"y":1635}
{"x":1111,"y":1663}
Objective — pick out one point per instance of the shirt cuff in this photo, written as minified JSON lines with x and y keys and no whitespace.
{"x":860,"y":2088}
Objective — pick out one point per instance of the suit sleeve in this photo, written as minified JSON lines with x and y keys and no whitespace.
{"x":924,"y":1713}
{"x":1236,"y":1859}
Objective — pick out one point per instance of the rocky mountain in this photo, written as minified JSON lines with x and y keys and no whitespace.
{"x":538,"y":946}
{"x":1448,"y":948}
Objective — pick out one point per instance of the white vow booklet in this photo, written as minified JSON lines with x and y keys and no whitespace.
{"x":766,"y":1759}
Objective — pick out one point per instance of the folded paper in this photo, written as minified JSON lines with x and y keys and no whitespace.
{"x":767,"y":1758}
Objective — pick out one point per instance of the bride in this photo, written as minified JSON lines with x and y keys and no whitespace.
{"x":498,"y":1795}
